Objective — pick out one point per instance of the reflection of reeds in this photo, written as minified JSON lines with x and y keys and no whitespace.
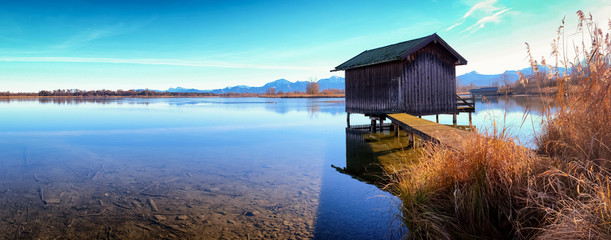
{"x":497,"y":189}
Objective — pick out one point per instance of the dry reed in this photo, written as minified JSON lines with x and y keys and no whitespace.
{"x":576,"y":191}
{"x":473,"y":193}
{"x":496,"y":189}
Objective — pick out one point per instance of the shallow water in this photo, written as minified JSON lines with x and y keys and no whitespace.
{"x":199,"y":168}
{"x":196,"y":168}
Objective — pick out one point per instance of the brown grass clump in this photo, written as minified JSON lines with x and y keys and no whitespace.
{"x":496,"y":189}
{"x":474,"y":193}
{"x":575,"y":194}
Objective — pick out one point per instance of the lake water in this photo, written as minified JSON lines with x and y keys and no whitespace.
{"x":198,"y":168}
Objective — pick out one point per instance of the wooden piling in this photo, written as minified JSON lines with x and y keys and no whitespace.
{"x":470,"y":122}
{"x":410,"y":135}
{"x":348,"y":119}
{"x":373,"y":127}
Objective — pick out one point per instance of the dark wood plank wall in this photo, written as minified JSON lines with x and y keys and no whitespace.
{"x":430,"y":82}
{"x":423,"y":84}
{"x":374,"y":89}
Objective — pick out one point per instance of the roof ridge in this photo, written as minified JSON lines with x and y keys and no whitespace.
{"x":396,"y":51}
{"x":420,"y":38}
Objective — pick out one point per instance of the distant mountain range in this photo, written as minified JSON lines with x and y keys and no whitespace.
{"x":336,"y":82}
{"x":483,"y":80}
{"x":280,"y":85}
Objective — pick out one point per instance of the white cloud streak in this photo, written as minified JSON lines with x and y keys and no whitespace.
{"x":488,"y":19}
{"x":86,"y":36}
{"x":486,"y":6}
{"x":98,"y":32}
{"x":167,"y":62}
{"x":453,"y":26}
{"x":482,"y":8}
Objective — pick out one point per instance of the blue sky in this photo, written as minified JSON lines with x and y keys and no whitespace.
{"x":213,"y":44}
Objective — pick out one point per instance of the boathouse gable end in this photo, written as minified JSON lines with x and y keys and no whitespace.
{"x":416,"y":77}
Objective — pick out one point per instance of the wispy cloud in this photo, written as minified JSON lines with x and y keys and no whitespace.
{"x":482,"y":22}
{"x":485,"y":6}
{"x":453,"y":26}
{"x":99,"y":32}
{"x":168,"y":62}
{"x":86,"y":36}
{"x":481,"y":10}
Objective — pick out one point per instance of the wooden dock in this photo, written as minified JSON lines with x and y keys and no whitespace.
{"x":429,"y":130}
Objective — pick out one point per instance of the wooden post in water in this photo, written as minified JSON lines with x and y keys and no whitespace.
{"x":470,"y":124}
{"x":348,"y":119}
{"x":437,"y":117}
{"x":454,"y":119}
{"x":373,"y":127}
{"x":396,"y":129}
{"x":410,"y":136}
{"x":381,"y":124}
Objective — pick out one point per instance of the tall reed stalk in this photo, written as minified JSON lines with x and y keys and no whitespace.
{"x":496,"y":189}
{"x":575,"y":193}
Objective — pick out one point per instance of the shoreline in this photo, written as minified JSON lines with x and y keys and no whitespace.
{"x":304,"y":96}
{"x":22,"y":97}
{"x":219,"y":96}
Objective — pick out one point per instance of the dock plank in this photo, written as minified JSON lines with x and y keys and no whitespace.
{"x":430,"y":131}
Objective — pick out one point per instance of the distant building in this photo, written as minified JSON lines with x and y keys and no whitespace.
{"x":417,"y":77}
{"x":485,"y":91}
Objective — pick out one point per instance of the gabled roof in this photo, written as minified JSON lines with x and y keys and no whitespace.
{"x":397,"y":51}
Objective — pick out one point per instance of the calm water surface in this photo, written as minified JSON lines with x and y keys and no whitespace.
{"x":182,"y":168}
{"x":199,"y":168}
{"x":520,"y":116}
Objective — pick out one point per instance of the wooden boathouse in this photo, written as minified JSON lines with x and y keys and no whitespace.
{"x":416,"y":77}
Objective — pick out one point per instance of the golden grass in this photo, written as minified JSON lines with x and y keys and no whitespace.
{"x":453,"y":194}
{"x":496,"y":189}
{"x":577,"y":136}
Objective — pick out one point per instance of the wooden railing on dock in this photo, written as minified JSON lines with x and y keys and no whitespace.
{"x":429,"y":130}
{"x":465,"y":102}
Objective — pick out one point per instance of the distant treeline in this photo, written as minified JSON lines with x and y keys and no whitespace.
{"x":151,"y":93}
{"x":120,"y":93}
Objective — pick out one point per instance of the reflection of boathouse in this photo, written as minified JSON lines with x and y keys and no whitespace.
{"x":416,"y":77}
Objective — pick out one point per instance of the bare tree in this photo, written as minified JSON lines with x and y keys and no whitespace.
{"x":270,"y":91}
{"x":506,"y":82}
{"x":312,"y":87}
